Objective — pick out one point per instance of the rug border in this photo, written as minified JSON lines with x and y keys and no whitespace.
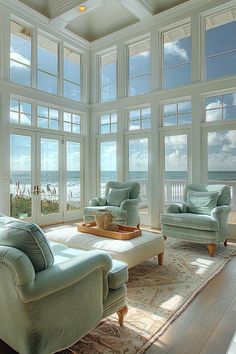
{"x":165,"y":326}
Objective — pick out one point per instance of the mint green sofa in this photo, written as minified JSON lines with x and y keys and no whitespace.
{"x":201,"y":218}
{"x":52,"y":296}
{"x":122,"y":199}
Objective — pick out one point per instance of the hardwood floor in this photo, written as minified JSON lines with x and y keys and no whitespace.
{"x":206,"y":326}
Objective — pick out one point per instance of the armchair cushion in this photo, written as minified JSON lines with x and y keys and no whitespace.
{"x":201,"y":202}
{"x":191,"y":221}
{"x":28,"y":238}
{"x":116,"y":196}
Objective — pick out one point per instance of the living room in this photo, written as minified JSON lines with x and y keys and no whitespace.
{"x":136,"y":91}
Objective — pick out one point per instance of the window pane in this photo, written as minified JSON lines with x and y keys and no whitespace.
{"x":73,"y":186}
{"x":71,"y":91}
{"x":134,"y":115}
{"x":169,"y":120}
{"x":14,"y":117}
{"x":146,"y":113}
{"x":146,"y":124}
{"x":213,"y":114}
{"x":14,"y":105}
{"x":105,"y":129}
{"x":20,"y":54}
{"x":47,"y":55}
{"x":42,"y":111}
{"x":177,"y":76}
{"x":213,"y":102}
{"x":184,"y":107}
{"x":229,"y":99}
{"x":176,"y":171}
{"x":113,"y":128}
{"x":139,"y":85}
{"x":25,"y":107}
{"x":67,"y":127}
{"x":108,"y":77}
{"x":76,"y":118}
{"x":220,"y":46}
{"x":53,"y":124}
{"x":76,"y":129}
{"x":134,"y":124}
{"x":42,"y":122}
{"x":47,"y":82}
{"x":229,"y":113}
{"x":105,"y":119}
{"x":107,"y":163}
{"x":170,"y":109}
{"x":20,"y":73}
{"x":177,"y":56}
{"x":20,"y":176}
{"x":53,"y":113}
{"x":25,"y":119}
{"x":139,"y":58}
{"x":72,"y":66}
{"x":138,"y":168}
{"x":67,"y":117}
{"x":184,"y":118}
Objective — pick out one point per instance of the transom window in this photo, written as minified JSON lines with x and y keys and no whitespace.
{"x":220,"y":44}
{"x":72,"y":74}
{"x":177,"y":113}
{"x":108,"y":77}
{"x":47,"y":117}
{"x":20,"y":54}
{"x":71,"y":122}
{"x":47,"y":64}
{"x":20,"y":112}
{"x":221,"y":107}
{"x":108,"y":123}
{"x":177,"y":56}
{"x":139,"y":74}
{"x":139,"y":119}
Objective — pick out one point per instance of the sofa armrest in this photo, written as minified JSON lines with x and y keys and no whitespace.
{"x":129,"y":203}
{"x":173,"y":208}
{"x":98,"y":201}
{"x":220,"y":212}
{"x":65,"y":274}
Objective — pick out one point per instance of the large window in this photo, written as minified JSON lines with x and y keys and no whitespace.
{"x":72,"y":75}
{"x":20,"y":54}
{"x":221,"y":107}
{"x":73,"y":178}
{"x":107,"y":163}
{"x":139,"y":74}
{"x":177,"y":56}
{"x":108,"y":79}
{"x":177,"y":113}
{"x":47,"y":65}
{"x":220,"y":44}
{"x":222,"y":162}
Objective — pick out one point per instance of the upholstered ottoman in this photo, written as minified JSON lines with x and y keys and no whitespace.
{"x":132,"y":252}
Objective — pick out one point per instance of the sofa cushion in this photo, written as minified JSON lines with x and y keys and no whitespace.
{"x":28,"y":238}
{"x":224,"y":193}
{"x":116,"y":212}
{"x":116,"y":196}
{"x":191,"y":221}
{"x":118,"y":275}
{"x":201,"y":202}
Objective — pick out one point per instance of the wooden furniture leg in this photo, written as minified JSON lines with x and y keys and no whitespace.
{"x":121,"y":314}
{"x":160,"y":258}
{"x":225,"y":242}
{"x":165,"y":237}
{"x":138,"y":226}
{"x":211,"y":248}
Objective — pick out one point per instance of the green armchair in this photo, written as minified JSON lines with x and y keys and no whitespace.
{"x":52,"y":296}
{"x":201,"y":218}
{"x":122,"y":199}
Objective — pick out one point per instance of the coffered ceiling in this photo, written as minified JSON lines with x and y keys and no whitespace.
{"x":100,"y":17}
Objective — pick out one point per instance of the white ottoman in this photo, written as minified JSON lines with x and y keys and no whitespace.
{"x":132,"y":252}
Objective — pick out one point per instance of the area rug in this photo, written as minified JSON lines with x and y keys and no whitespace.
{"x":156,"y":296}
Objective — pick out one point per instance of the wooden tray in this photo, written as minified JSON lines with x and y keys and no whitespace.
{"x":124,"y":232}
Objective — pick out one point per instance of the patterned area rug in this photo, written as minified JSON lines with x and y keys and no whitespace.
{"x":156,"y":296}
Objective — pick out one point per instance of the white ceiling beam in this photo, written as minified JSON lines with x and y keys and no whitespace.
{"x":62,"y":12}
{"x":137,"y":8}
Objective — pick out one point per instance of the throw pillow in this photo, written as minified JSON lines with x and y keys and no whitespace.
{"x":116,"y":196}
{"x":28,"y":238}
{"x":201,"y":202}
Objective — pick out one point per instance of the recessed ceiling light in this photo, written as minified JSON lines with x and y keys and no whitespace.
{"x":82,"y":8}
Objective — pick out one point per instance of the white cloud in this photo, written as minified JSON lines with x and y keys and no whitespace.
{"x":215,"y":113}
{"x":176,"y":161}
{"x":20,"y":59}
{"x":173,"y":48}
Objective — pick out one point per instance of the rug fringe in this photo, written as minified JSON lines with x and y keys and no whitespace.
{"x":156,"y":335}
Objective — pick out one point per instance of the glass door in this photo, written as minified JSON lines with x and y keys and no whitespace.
{"x":22,"y":175}
{"x":49,"y":179}
{"x":138,"y":170}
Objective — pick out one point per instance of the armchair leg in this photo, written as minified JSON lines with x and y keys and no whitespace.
{"x":165,"y":237}
{"x":121,"y":314}
{"x":225,"y":242}
{"x":138,"y":226}
{"x":160,"y":258}
{"x":211,"y":248}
